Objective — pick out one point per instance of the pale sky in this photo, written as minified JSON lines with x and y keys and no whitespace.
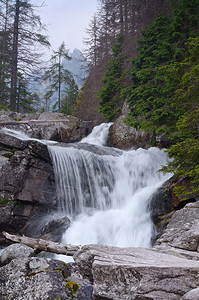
{"x":66,"y":20}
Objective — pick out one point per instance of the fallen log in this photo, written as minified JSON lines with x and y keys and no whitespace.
{"x":31,"y":122}
{"x":42,"y":245}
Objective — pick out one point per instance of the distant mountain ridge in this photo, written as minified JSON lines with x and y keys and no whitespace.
{"x":77,"y":66}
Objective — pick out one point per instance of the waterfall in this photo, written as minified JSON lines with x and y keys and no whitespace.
{"x":105,"y":192}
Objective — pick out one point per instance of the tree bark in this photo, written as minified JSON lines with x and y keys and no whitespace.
{"x":14,"y":59}
{"x":42,"y":245}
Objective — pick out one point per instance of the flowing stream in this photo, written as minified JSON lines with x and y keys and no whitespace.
{"x":106,"y":192}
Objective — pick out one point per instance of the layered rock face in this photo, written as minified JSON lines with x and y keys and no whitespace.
{"x":49,"y":126}
{"x":27,"y":187}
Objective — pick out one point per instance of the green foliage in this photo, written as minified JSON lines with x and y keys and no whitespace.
{"x":185,"y":153}
{"x":5,"y":201}
{"x":113,"y":80}
{"x":24,"y":98}
{"x":72,"y":286}
{"x":163,"y":96}
{"x":69,"y":100}
{"x":58,"y":76}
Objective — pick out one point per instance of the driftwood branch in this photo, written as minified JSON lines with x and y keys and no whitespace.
{"x":31,"y":122}
{"x":42,"y":245}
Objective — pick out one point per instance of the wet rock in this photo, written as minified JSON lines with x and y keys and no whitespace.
{"x":55,"y":228}
{"x":161,"y":206}
{"x":11,"y":142}
{"x":27,"y":178}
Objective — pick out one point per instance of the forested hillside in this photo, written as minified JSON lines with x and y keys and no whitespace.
{"x":163,"y":89}
{"x":114,"y":17}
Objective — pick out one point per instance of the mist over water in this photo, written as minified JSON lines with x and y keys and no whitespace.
{"x":105,"y":192}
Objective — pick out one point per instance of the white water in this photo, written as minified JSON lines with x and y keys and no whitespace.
{"x":99,"y":135}
{"x":104,"y":191}
{"x":24,"y":137}
{"x":107,"y":196}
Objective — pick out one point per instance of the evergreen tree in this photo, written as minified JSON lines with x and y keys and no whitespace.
{"x":57,"y":75}
{"x":69,"y":99}
{"x":163,"y":96}
{"x":113,"y":80}
{"x":185,"y":153}
{"x":26,"y":101}
{"x":21,"y":33}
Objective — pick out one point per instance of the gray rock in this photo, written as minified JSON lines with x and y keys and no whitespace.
{"x":63,"y":131}
{"x":15,"y":251}
{"x":27,"y":186}
{"x":137,"y":273}
{"x":192,"y":295}
{"x":33,"y":279}
{"x":161,"y":206}
{"x":125,"y":137}
{"x":183,"y":230}
{"x":85,"y":289}
{"x":11,"y":142}
{"x":28,"y":176}
{"x":26,"y":277}
{"x":55,"y":228}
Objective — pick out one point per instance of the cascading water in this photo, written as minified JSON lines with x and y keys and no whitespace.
{"x":105,"y":192}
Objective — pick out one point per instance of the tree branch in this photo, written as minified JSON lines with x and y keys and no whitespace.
{"x":42,"y":245}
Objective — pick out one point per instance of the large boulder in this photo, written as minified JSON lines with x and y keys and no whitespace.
{"x":49,"y":126}
{"x":137,"y":273}
{"x":25,"y":276}
{"x":125,"y":137}
{"x":64,"y":131}
{"x":192,"y":295}
{"x":182,"y":231}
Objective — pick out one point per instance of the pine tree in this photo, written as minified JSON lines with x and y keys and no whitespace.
{"x":69,"y":99}
{"x":21,"y":31}
{"x":110,"y":94}
{"x":57,"y":75}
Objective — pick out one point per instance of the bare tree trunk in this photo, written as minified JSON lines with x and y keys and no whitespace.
{"x":59,"y":87}
{"x":42,"y":245}
{"x":4,"y":56}
{"x":14,"y":59}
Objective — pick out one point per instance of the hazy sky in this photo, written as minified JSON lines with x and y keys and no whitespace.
{"x":67,"y":20}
